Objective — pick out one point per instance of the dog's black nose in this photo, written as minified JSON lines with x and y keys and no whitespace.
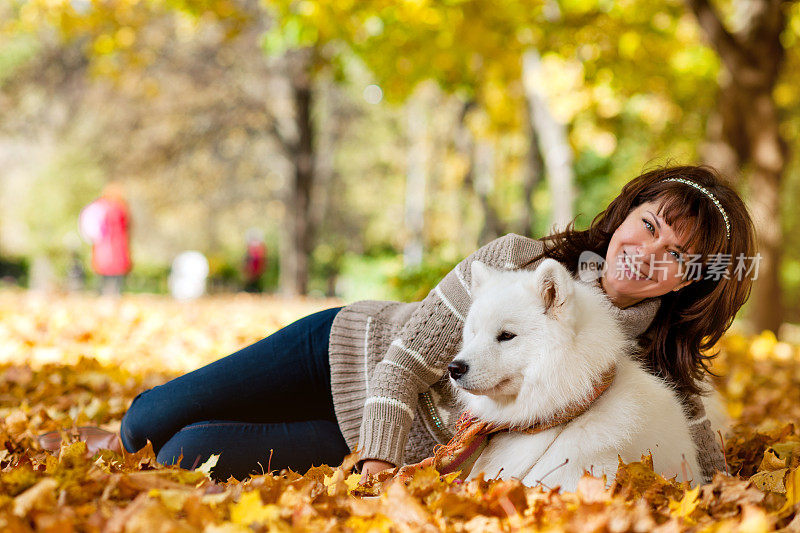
{"x":457,"y":369}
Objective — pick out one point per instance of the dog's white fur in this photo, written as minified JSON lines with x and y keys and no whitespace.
{"x":565,"y":338}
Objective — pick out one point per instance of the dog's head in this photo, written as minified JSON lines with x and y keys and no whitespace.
{"x":526,"y":336}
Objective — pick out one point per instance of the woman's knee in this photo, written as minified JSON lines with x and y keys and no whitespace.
{"x":331,"y":446}
{"x":194,"y":444}
{"x":133,"y":430}
{"x":246,"y":448}
{"x":182,"y":449}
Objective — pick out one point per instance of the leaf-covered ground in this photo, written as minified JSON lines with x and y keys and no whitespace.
{"x":77,"y":360}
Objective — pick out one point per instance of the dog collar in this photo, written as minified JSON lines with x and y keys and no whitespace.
{"x":472,"y":434}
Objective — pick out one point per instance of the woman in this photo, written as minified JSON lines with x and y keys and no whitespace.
{"x":372,"y":375}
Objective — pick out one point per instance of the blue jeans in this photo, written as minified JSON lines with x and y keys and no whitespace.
{"x":265,"y":407}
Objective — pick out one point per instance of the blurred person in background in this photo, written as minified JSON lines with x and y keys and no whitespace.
{"x":105,"y":223}
{"x":255,"y":260}
{"x":76,"y":274}
{"x":188,"y":275}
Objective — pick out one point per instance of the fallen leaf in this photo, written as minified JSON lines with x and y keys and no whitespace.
{"x":378,"y":522}
{"x":40,"y":496}
{"x":352,"y":481}
{"x":173,"y":499}
{"x":250,"y":510}
{"x":792,"y":491}
{"x":593,"y":490}
{"x":403,"y":508}
{"x":686,"y":505}
{"x":770,"y":481}
{"x":210,"y":463}
{"x":771,"y":461}
{"x":112,"y":492}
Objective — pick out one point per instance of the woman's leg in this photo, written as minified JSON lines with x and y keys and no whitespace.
{"x":282,"y":378}
{"x":250,"y":448}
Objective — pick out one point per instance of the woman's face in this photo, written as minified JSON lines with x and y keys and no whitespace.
{"x":645,"y":258}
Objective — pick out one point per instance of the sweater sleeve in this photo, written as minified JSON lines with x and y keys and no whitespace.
{"x":426,"y":345}
{"x":710,"y":455}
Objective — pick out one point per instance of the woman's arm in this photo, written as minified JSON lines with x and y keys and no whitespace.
{"x":426,"y":345}
{"x":710,"y":454}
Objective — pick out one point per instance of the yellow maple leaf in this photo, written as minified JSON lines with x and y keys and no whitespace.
{"x":792,"y":491}
{"x":352,"y":481}
{"x":687,"y":505}
{"x":210,"y":463}
{"x":452,"y":476}
{"x":250,"y":510}
{"x":378,"y":522}
{"x":173,"y":499}
{"x":331,"y":481}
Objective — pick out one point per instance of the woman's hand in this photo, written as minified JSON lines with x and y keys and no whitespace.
{"x":374,"y":466}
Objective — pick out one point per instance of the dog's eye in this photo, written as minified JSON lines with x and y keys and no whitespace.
{"x":505,"y":336}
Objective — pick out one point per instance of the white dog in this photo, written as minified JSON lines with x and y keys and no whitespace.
{"x":535,"y":344}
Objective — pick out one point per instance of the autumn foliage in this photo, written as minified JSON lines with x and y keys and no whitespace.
{"x":72,"y":361}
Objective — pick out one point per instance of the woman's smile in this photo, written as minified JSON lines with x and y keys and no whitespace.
{"x":632,"y":269}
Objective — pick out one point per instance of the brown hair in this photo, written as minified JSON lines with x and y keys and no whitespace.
{"x":691,"y":320}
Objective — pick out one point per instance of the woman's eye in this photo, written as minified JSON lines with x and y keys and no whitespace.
{"x":505,"y":336}
{"x":648,"y":225}
{"x":676,"y":255}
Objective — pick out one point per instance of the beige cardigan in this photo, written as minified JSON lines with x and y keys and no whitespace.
{"x":391,"y":392}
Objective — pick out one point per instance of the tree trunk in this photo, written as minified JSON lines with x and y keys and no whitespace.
{"x":298,"y":240}
{"x":533,"y":175}
{"x":555,"y":148}
{"x":483,"y":175}
{"x":478,"y":179}
{"x":767,"y":304}
{"x":416,"y":178}
{"x":745,"y":131}
{"x":330,"y":213}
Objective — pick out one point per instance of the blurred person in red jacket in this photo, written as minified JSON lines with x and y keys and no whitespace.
{"x":105,"y":223}
{"x":255,"y":260}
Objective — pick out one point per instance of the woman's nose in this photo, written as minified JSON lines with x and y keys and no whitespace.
{"x":648,"y":251}
{"x":642,"y":252}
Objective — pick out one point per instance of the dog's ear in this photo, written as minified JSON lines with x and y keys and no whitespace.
{"x":554,"y":285}
{"x":480,"y":273}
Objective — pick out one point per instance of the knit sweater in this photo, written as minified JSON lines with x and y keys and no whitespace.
{"x":391,"y":393}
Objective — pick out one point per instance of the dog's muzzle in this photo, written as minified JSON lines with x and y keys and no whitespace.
{"x":457,"y":369}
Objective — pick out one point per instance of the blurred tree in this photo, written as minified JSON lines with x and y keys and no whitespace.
{"x":745,"y":129}
{"x":417,"y":169}
{"x":591,"y":71}
{"x":121,"y":41}
{"x":172,"y":96}
{"x":477,"y":177}
{"x":639,"y":58}
{"x":552,"y":137}
{"x":629,"y":81}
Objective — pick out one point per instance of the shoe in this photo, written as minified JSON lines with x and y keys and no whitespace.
{"x":94,"y":437}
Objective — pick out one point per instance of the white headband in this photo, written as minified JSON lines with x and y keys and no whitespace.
{"x":711,"y":197}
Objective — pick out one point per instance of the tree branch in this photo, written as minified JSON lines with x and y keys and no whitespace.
{"x":724,"y":42}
